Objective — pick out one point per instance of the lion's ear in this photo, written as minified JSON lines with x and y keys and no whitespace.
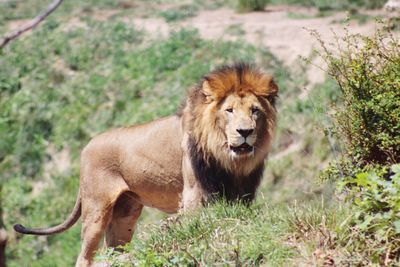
{"x":207,"y":91}
{"x":272,"y":87}
{"x":272,"y":90}
{"x":265,"y":85}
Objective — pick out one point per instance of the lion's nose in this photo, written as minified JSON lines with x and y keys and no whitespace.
{"x":245,"y":132}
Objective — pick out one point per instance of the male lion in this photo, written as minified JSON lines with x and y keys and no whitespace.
{"x":214,"y":147}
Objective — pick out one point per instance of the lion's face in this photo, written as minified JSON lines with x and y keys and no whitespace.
{"x":242,"y":119}
{"x":230,"y":116}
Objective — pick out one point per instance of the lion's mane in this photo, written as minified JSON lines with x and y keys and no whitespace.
{"x":218,"y":173}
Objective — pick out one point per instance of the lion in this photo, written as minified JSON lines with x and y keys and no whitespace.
{"x":213,"y":147}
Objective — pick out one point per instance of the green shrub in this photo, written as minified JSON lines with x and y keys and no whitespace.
{"x":367,"y":122}
{"x":368,"y":73}
{"x":376,"y":196}
{"x":250,"y":5}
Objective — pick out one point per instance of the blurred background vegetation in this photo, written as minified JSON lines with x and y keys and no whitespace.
{"x":82,"y":72}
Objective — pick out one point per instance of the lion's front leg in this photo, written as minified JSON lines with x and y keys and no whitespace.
{"x":192,"y":195}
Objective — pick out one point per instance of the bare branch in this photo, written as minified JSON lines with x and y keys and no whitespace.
{"x":30,"y":25}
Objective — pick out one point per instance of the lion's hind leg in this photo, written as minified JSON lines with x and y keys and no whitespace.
{"x":100,"y":191}
{"x":125,"y":214}
{"x":93,"y":225}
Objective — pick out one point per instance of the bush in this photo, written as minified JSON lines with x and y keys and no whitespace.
{"x":368,"y":74}
{"x":376,"y":196}
{"x":367,"y":121}
{"x":251,"y":5}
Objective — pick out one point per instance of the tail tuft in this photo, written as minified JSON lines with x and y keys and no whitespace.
{"x":20,"y":228}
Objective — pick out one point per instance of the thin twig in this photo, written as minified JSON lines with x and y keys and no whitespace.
{"x":30,"y":25}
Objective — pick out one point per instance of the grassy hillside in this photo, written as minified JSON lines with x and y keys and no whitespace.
{"x":76,"y":86}
{"x":67,"y":81}
{"x":80,"y":82}
{"x":221,"y":234}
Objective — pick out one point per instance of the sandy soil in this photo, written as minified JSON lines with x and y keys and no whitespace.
{"x":286,"y":37}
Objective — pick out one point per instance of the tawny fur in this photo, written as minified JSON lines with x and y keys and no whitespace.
{"x":151,"y":164}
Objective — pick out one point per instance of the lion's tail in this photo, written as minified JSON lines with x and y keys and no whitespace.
{"x":71,"y":220}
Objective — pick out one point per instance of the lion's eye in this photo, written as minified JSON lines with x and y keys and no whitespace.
{"x":254,"y":110}
{"x":230,"y":110}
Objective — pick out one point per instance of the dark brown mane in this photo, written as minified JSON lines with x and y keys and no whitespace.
{"x":219,"y":183}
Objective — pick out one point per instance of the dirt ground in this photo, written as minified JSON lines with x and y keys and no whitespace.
{"x":283,"y":29}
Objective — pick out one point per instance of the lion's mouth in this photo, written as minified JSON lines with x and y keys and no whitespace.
{"x":242,"y":149}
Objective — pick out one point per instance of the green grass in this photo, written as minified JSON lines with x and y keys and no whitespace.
{"x":223,"y":234}
{"x":326,"y":5}
{"x":235,"y":30}
{"x":15,"y":9}
{"x":294,"y":15}
{"x":179,"y":13}
{"x":220,"y":234}
{"x":360,"y":18}
{"x":243,"y":6}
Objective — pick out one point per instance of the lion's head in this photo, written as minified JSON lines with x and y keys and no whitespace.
{"x":231,"y":116}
